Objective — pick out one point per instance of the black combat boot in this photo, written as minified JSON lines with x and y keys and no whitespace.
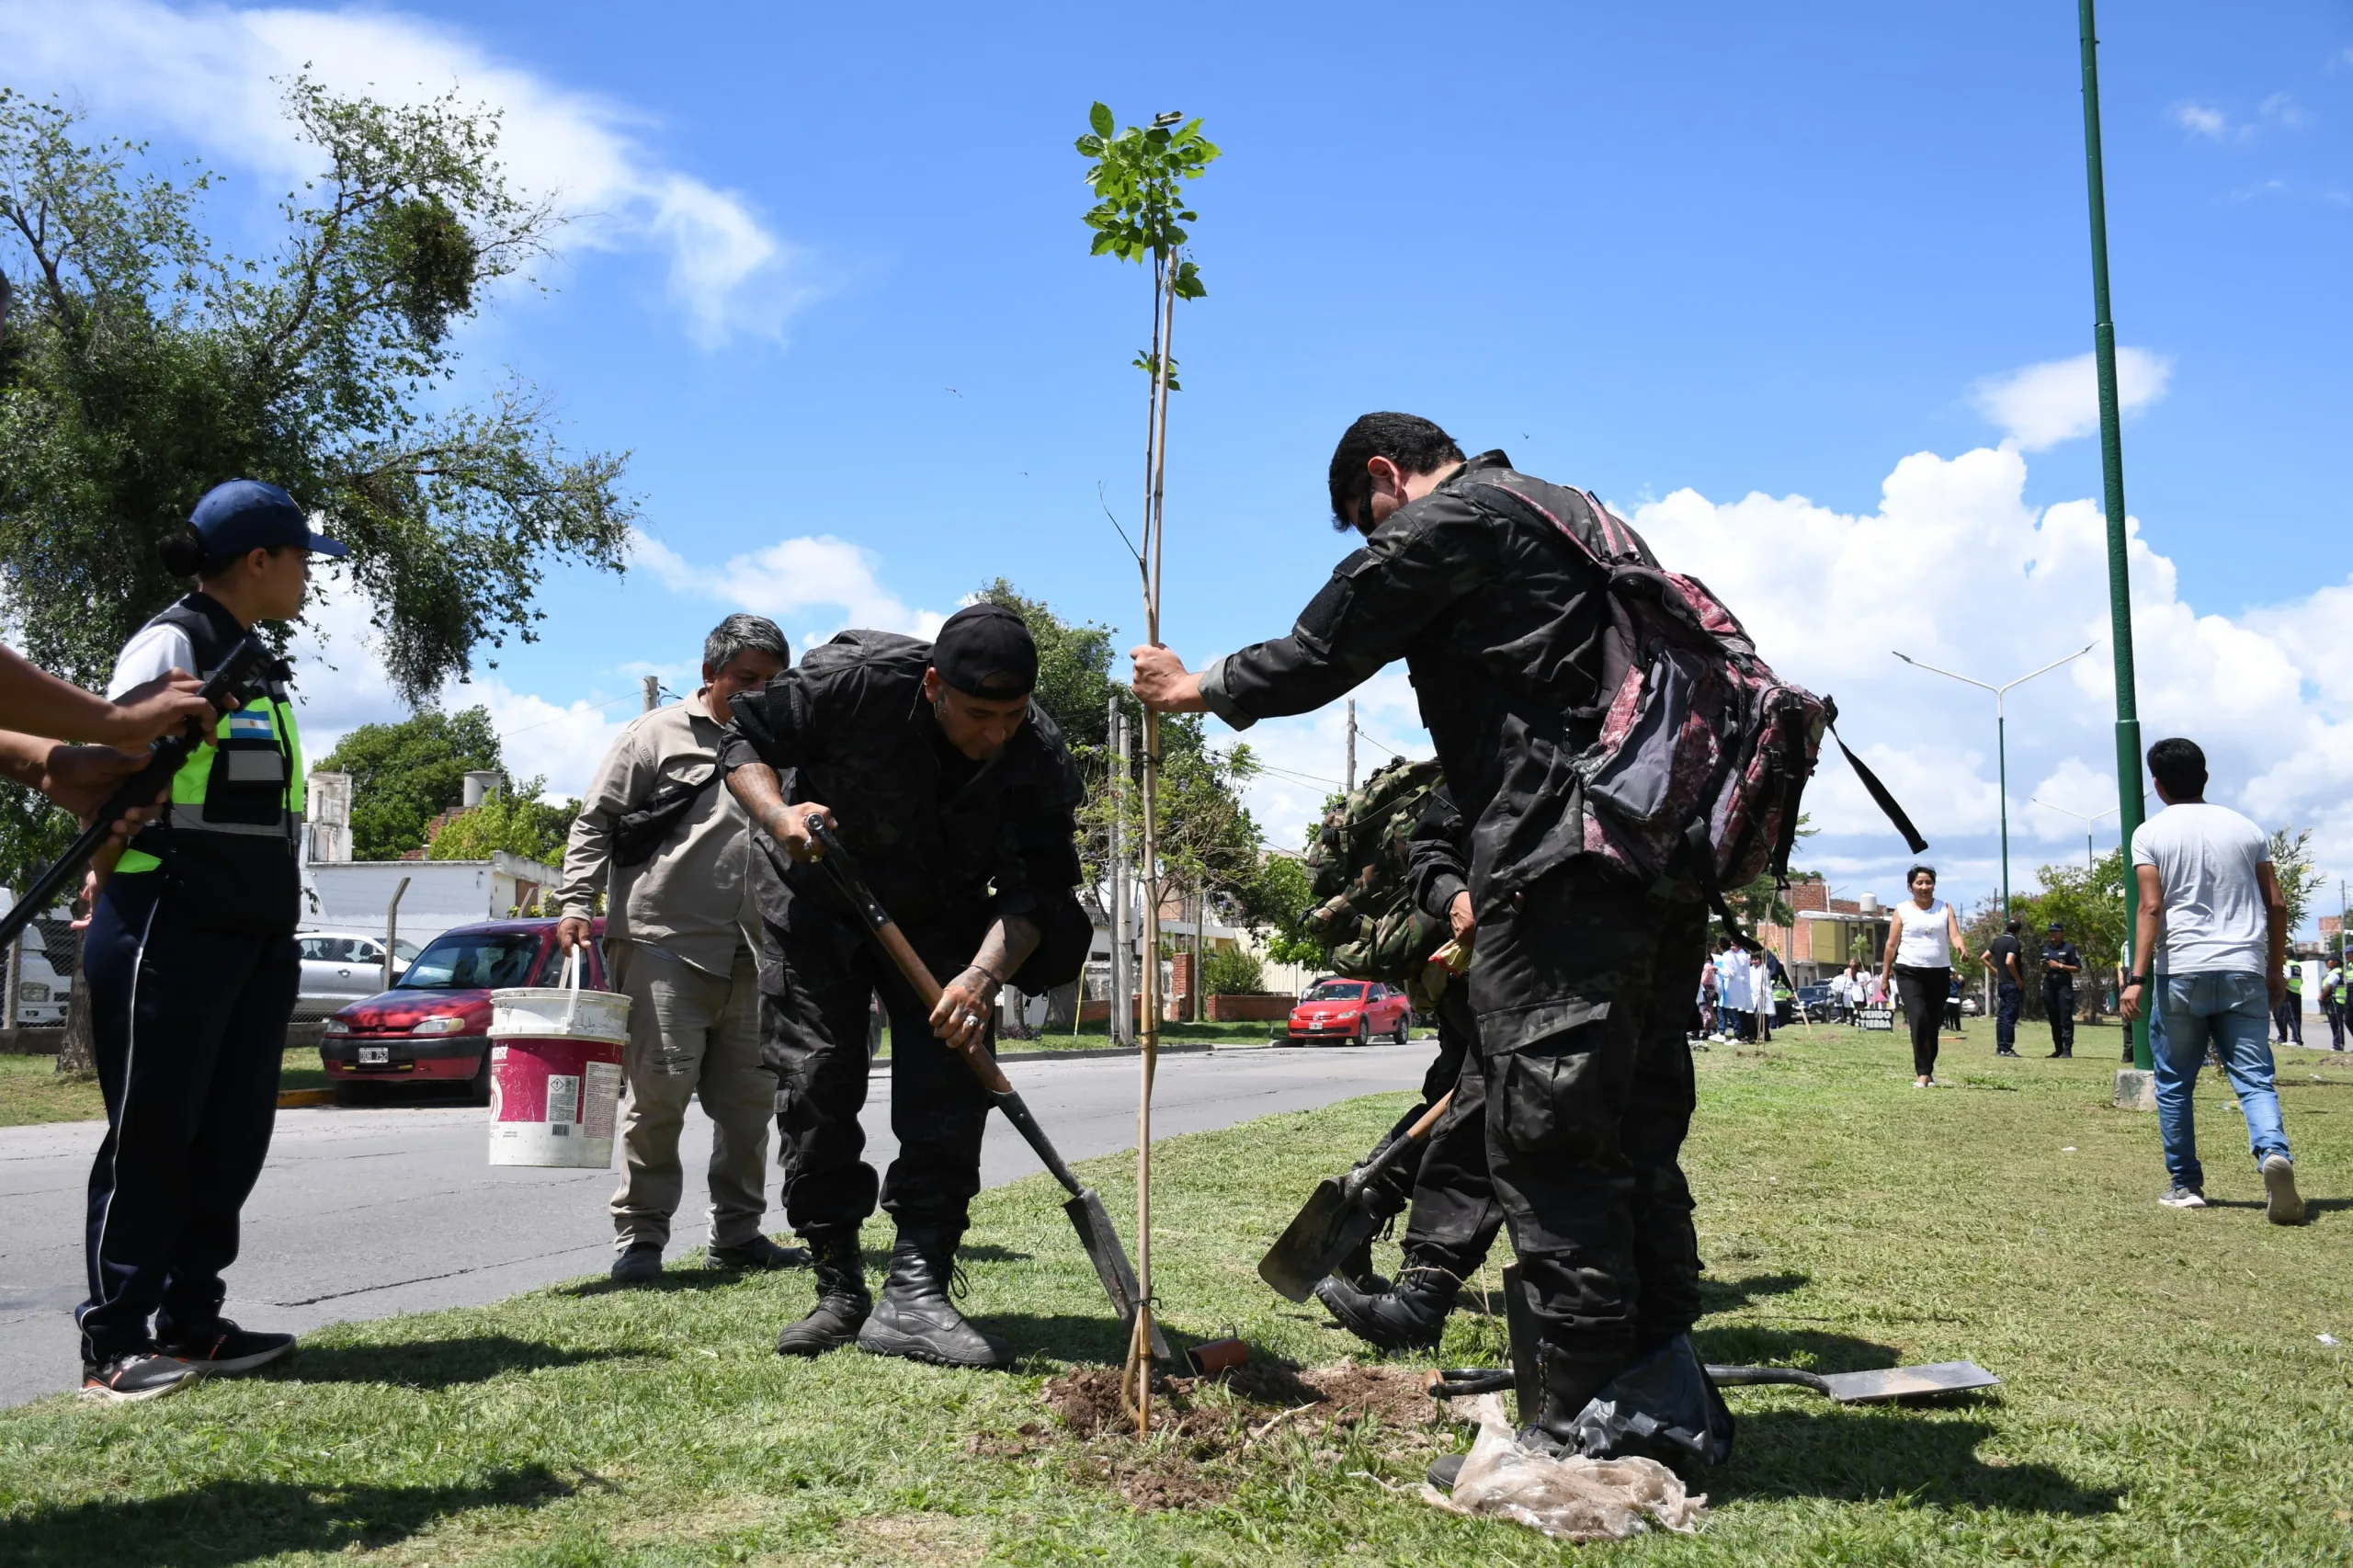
{"x":1409,"y":1315}
{"x":915,"y":1319}
{"x":843,"y":1302}
{"x":1570,"y":1382}
{"x":1356,"y":1267}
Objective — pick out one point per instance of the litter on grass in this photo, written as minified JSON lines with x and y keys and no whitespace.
{"x":1569,"y":1499}
{"x":2328,"y":1339}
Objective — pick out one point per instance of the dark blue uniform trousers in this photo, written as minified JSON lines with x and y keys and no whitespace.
{"x":189,"y":1022}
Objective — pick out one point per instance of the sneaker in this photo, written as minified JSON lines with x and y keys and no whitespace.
{"x":758,"y":1253}
{"x":2184,"y":1198}
{"x":225,"y":1347}
{"x":138,"y":1374}
{"x":638,"y":1264}
{"x":2282,"y":1205}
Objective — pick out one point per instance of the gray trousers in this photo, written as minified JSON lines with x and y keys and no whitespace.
{"x":689,"y":1033}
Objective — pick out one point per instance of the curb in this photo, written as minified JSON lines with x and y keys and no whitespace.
{"x":295,"y":1099}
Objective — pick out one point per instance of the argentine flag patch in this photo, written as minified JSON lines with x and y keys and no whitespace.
{"x":244,"y":726}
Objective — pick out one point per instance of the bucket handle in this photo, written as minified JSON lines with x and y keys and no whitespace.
{"x":572,"y":981}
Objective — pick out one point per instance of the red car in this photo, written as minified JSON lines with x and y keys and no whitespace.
{"x":434,"y":1025}
{"x":1353,"y":1011}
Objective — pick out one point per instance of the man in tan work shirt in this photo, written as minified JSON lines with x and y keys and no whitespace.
{"x":670,"y":846}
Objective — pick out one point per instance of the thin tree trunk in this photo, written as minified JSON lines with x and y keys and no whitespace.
{"x":78,"y":1057}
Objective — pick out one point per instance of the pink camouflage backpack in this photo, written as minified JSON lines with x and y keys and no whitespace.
{"x":1704,"y":752}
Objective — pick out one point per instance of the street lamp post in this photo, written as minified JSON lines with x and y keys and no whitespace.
{"x":2001,"y":739}
{"x":2111,"y":463}
{"x":2079,"y":816}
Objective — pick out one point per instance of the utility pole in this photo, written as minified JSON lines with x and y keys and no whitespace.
{"x":653,"y":693}
{"x":1122,"y":977}
{"x":2132,"y":807}
{"x":1352,"y":746}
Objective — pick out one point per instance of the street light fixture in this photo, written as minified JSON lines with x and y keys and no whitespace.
{"x":2086,"y":821}
{"x":2001,"y":739}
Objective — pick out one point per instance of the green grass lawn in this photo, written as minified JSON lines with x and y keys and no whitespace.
{"x":2166,"y":1398}
{"x":31,"y":1089}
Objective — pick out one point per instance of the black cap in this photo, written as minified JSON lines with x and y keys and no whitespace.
{"x":2056,"y":925}
{"x":984,"y":651}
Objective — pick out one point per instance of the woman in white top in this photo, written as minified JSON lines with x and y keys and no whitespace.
{"x":1924,"y":945}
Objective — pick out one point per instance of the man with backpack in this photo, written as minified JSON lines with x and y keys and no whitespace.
{"x":671,"y":852}
{"x":1454,"y":1217}
{"x":1526,"y":614}
{"x":956,"y":795}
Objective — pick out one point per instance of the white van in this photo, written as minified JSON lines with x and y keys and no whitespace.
{"x":47,"y":982}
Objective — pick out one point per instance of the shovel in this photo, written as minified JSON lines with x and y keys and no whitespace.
{"x":1087,"y":1216}
{"x":1331,"y":1221}
{"x":1847,"y":1388}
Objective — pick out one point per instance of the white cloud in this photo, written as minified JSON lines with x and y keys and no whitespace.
{"x":789,"y":578}
{"x":2281,"y":108}
{"x":2041,"y":405}
{"x":1311,"y":751}
{"x":2201,"y":119}
{"x":206,"y":73}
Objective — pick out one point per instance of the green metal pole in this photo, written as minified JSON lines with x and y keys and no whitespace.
{"x":2130,"y":811}
{"x":2002,"y":771}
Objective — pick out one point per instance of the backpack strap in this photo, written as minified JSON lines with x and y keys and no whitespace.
{"x":1879,"y":793}
{"x":1699,"y":854}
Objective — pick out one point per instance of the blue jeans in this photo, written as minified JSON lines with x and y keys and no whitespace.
{"x":2009,"y":999}
{"x":2234,"y":1012}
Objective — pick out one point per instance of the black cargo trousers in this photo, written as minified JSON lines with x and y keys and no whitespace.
{"x":816,"y":982}
{"x":1454,"y":1209}
{"x":1582,"y":988}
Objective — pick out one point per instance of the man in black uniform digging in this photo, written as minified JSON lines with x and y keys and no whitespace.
{"x":1454,"y":1217}
{"x":957,"y":796}
{"x":1584,"y":975}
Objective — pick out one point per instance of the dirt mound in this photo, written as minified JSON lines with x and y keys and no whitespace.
{"x":1203,"y":1426}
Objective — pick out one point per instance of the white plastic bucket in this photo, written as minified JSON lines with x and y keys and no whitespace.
{"x":555,"y":1073}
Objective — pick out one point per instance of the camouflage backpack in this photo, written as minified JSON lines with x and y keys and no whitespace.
{"x":1365,"y":913}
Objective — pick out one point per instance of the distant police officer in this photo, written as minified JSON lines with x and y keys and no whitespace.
{"x":2289,"y":1013}
{"x":192,"y":971}
{"x":957,"y":796}
{"x":2061,"y":963}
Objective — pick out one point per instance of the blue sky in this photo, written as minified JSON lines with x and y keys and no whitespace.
{"x":1773,"y":284}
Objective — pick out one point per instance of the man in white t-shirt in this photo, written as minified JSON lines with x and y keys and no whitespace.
{"x":2209,"y":950}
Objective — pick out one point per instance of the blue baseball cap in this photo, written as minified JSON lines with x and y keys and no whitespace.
{"x":246,"y":514}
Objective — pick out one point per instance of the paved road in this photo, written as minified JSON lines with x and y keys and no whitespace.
{"x":364,"y":1214}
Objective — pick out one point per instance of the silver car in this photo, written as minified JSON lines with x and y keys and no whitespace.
{"x":343,"y":967}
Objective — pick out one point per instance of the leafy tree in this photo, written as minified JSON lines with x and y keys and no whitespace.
{"x":1277,"y":902}
{"x":2299,"y":880}
{"x":1233,"y":971}
{"x":2090,"y":901}
{"x":404,"y":775}
{"x":1761,"y":901}
{"x":142,"y":362}
{"x":515,"y":820}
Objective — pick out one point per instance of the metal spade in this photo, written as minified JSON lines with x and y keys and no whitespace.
{"x":1331,"y":1221}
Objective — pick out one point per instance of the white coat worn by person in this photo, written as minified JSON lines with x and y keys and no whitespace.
{"x":661,"y":837}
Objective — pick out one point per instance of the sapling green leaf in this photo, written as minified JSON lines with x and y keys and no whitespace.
{"x":1099,"y":117}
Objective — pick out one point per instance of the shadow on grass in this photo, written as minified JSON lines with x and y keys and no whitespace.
{"x":1746,"y":1346}
{"x":441,"y":1363}
{"x":1727,"y":1295}
{"x":1066,"y":1336}
{"x":1855,"y":1455}
{"x":985,"y":1254}
{"x":241,"y":1521}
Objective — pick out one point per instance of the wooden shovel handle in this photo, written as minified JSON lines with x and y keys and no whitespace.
{"x":902,"y":953}
{"x":1429,"y":1118}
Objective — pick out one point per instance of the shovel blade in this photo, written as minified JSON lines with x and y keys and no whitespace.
{"x":1104,"y":1250}
{"x":1311,"y":1243}
{"x":1909,"y":1382}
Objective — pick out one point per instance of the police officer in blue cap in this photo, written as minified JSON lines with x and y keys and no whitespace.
{"x":192,"y":971}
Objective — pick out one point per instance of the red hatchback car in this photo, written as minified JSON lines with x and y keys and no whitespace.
{"x":434,"y":1025}
{"x":1353,"y":1011}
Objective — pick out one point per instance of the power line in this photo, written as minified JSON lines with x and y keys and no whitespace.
{"x":567,"y":713}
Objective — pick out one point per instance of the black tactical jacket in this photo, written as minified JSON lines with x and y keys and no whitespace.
{"x":1500,"y":619}
{"x":848,"y":727}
